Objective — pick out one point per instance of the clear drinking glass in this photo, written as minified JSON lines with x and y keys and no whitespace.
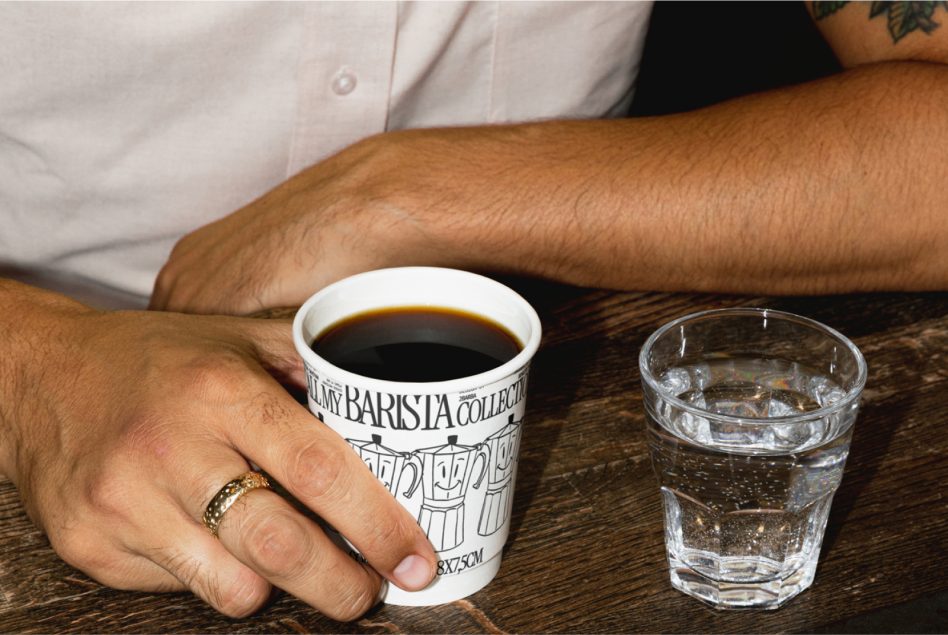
{"x":750,"y":413}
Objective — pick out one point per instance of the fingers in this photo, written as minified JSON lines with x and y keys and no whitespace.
{"x":263,"y":531}
{"x":162,"y":548}
{"x":177,"y":281}
{"x":168,"y":292}
{"x":262,"y":541}
{"x":199,"y":562}
{"x":321,"y":470}
{"x":194,"y":281}
{"x":160,"y":292}
{"x":164,"y":441}
{"x":161,"y":526}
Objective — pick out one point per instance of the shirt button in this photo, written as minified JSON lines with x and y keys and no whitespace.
{"x":344,"y":82}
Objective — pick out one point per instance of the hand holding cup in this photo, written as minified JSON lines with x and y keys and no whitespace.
{"x":129,"y":424}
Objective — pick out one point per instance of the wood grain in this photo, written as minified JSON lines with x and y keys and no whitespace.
{"x":586,"y":551}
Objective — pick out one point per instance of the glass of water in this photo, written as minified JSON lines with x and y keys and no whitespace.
{"x":750,"y":413}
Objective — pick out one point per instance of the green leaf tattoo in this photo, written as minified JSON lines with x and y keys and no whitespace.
{"x":823,"y":9}
{"x":903,"y":17}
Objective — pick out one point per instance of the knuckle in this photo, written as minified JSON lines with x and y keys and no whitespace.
{"x":318,"y":471}
{"x":108,"y":495}
{"x":240,"y":595}
{"x":69,"y":547}
{"x":354,"y":600}
{"x":219,"y":376}
{"x":277,"y":545}
{"x":236,"y":596}
{"x":81,"y":550}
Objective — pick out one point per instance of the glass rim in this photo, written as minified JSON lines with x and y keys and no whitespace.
{"x":852,"y":394}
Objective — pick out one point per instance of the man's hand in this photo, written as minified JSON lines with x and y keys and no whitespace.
{"x":337,"y":218}
{"x":119,"y":428}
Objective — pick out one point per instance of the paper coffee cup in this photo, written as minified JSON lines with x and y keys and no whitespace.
{"x":446,"y":450}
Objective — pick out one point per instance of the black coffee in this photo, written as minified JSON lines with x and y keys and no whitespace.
{"x":416,"y":344}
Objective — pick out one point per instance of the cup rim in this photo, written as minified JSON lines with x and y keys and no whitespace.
{"x":851,"y":395}
{"x":470,"y":382}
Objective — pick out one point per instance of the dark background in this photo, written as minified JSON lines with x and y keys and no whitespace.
{"x":700,"y":53}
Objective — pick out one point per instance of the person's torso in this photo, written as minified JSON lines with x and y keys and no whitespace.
{"x":124,"y":126}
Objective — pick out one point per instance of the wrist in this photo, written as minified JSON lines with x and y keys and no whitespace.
{"x":438,"y":197}
{"x":384,"y":208}
{"x":525,"y":198}
{"x":36,"y":332}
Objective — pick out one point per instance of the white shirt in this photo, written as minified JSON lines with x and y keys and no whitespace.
{"x":125,"y":126}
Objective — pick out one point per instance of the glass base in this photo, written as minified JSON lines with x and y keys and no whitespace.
{"x":768,"y":594}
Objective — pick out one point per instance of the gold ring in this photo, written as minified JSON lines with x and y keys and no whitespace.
{"x":229,"y":494}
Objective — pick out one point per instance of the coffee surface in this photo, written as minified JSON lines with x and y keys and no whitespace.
{"x":416,"y":344}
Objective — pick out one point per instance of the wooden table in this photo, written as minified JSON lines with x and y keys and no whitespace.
{"x":586,"y":549}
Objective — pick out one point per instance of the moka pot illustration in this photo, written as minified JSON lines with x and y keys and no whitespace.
{"x":447,"y":472}
{"x":388,"y":465}
{"x":498,"y":501}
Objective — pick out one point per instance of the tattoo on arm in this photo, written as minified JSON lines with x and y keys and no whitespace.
{"x":903,"y":17}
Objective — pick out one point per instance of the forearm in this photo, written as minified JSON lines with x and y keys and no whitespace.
{"x":828,"y":187}
{"x":832,"y":186}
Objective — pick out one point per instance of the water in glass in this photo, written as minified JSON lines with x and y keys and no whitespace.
{"x":746,"y":500}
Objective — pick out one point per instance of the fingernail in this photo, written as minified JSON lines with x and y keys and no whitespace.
{"x":412,"y":573}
